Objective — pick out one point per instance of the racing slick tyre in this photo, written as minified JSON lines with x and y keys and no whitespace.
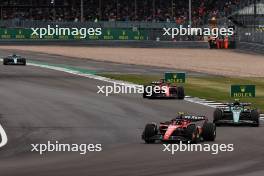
{"x":149,"y":132}
{"x":209,"y":132}
{"x":4,"y":62}
{"x":145,"y":93}
{"x":191,"y":132}
{"x":255,"y":117}
{"x":180,"y":92}
{"x":24,"y":61}
{"x":153,"y":94}
{"x":218,"y":114}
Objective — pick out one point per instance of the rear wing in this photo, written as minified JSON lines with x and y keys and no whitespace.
{"x":241,"y":104}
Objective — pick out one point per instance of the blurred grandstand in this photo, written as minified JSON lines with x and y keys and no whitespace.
{"x":111,"y":10}
{"x":248,"y":16}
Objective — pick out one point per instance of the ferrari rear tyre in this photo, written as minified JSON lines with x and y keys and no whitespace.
{"x":145,"y":93}
{"x":209,"y":132}
{"x":149,"y":132}
{"x":180,"y":92}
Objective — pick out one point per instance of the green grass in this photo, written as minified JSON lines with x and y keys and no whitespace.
{"x":208,"y":87}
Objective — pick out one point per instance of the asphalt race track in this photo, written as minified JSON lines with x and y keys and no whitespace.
{"x":37,"y":105}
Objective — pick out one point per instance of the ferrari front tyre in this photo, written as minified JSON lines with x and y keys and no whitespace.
{"x":218,"y":114}
{"x":149,"y":132}
{"x":180,"y":92}
{"x":209,"y":132}
{"x":191,"y":132}
{"x":255,"y":117}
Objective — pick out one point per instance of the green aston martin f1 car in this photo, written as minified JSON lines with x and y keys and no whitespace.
{"x":237,"y":113}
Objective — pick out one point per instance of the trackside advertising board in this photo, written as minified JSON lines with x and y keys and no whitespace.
{"x":243,"y":91}
{"x":175,"y":77}
{"x":105,"y":34}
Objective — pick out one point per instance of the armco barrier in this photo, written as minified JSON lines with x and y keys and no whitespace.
{"x":110,"y":43}
{"x":251,"y":47}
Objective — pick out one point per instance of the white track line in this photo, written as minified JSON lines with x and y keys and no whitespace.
{"x":101,"y":78}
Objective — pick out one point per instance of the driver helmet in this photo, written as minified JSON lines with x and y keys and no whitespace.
{"x":180,"y":115}
{"x":162,"y":80}
{"x":237,"y":102}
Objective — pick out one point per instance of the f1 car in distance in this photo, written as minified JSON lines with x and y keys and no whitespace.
{"x":183,"y":128}
{"x":14,"y":60}
{"x":167,"y":90}
{"x":237,"y":113}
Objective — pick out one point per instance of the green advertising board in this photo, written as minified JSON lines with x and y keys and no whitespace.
{"x":107,"y":34}
{"x":122,"y":34}
{"x":14,"y":33}
{"x":243,"y":91}
{"x":175,"y":77}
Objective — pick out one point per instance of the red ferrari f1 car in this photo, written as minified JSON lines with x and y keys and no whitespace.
{"x":162,"y":89}
{"x":183,"y":128}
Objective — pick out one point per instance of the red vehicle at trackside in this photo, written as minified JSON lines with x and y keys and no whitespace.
{"x":166,"y":90}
